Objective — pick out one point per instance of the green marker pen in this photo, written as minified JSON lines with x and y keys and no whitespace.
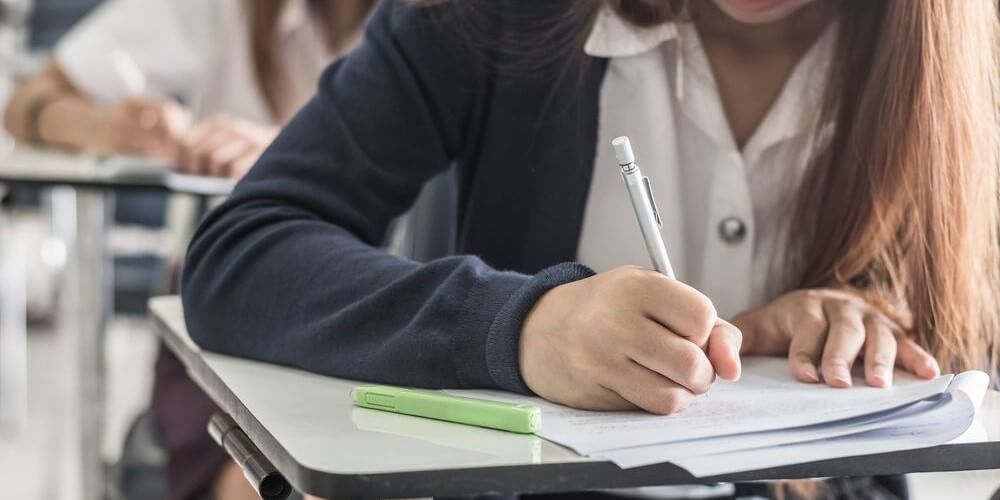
{"x":521,"y":418}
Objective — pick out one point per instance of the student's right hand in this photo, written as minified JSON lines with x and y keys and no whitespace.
{"x":626,"y":338}
{"x":142,"y":126}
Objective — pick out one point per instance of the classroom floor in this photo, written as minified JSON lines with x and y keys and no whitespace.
{"x":38,"y":453}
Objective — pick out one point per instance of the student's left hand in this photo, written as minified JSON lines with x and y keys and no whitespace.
{"x":223,"y":146}
{"x":829,"y":329}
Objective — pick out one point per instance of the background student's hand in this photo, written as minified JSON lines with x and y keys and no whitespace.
{"x":141,"y":125}
{"x":223,"y":146}
{"x":626,"y":338}
{"x":830,"y":329}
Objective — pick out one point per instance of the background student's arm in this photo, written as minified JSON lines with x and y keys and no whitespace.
{"x":48,"y":108}
{"x":287,"y":269}
{"x":98,"y":92}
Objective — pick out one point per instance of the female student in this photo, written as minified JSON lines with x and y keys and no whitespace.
{"x":826,"y":169}
{"x":241,"y":68}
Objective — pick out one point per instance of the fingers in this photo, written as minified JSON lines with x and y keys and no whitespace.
{"x":672,"y":357}
{"x":915,"y":359}
{"x":880,"y":352}
{"x":675,"y":305}
{"x":225,"y":156}
{"x":223,"y":147}
{"x":844,"y":339}
{"x":649,"y":390}
{"x":600,"y":398}
{"x":724,"y":350}
{"x":242,"y":165}
{"x":198,"y":145}
{"x":808,"y":328}
{"x":150,"y":126}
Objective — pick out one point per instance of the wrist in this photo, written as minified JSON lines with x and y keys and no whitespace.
{"x":34,"y":116}
{"x":65,"y":123}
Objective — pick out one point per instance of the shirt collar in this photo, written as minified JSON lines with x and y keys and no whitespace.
{"x":613,"y":36}
{"x":791,"y":115}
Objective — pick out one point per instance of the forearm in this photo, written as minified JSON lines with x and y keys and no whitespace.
{"x":317,"y":298}
{"x":46,"y":109}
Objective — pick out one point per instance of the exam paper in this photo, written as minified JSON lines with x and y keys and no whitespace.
{"x":933,"y":419}
{"x":938,"y":426}
{"x":646,"y":455}
{"x":766,"y":398}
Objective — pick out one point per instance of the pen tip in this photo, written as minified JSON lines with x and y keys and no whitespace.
{"x":623,"y":150}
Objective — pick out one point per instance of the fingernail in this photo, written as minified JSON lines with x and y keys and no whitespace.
{"x":841,"y":375}
{"x":931,"y":368}
{"x":882,"y":377}
{"x":810,"y":372}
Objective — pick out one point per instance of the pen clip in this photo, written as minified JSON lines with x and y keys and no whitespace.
{"x":652,"y":201}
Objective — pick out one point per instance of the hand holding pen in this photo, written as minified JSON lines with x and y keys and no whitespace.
{"x":627,"y":338}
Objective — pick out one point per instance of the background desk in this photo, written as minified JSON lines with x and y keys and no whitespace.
{"x":83,"y":213}
{"x":30,"y":166}
{"x":304,"y":423}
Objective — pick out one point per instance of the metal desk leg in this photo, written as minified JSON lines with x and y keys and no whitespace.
{"x":88,"y":305}
{"x":258,"y":470}
{"x":13,"y":329}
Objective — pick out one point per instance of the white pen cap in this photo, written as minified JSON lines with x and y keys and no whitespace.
{"x":623,"y":151}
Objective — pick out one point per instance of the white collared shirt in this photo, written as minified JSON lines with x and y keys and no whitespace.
{"x":722,"y":207}
{"x":196,"y":50}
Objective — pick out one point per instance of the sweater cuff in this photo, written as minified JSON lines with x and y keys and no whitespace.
{"x":514,"y":298}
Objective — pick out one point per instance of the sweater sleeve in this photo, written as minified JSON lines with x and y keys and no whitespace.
{"x":287,"y":270}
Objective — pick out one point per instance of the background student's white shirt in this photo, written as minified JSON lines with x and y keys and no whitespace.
{"x":722,"y":206}
{"x":195,"y":50}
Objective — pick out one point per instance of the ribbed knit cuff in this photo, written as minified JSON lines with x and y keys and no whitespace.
{"x":505,"y":332}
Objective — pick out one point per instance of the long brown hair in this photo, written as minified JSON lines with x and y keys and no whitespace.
{"x":903,"y":203}
{"x":262,"y":17}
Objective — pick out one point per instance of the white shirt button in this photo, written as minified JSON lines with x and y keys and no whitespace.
{"x":732,"y":230}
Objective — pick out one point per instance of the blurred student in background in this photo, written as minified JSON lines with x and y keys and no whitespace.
{"x":204,"y":85}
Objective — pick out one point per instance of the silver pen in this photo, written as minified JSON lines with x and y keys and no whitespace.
{"x":641,"y":194}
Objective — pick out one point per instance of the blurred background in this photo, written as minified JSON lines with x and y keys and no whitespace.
{"x":38,"y":446}
{"x":39,"y":423}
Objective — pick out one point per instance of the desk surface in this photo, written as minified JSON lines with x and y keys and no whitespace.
{"x":304,"y":423}
{"x":44,"y":167}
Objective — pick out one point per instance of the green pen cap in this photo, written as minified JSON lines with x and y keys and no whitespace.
{"x":511,"y":417}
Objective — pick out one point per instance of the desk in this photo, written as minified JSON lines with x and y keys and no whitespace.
{"x":304,"y":423}
{"x":82,"y":217}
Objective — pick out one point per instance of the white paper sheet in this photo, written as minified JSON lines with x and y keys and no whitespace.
{"x":919,"y":416}
{"x":941,"y":425}
{"x":767,"y":397}
{"x":645,"y":455}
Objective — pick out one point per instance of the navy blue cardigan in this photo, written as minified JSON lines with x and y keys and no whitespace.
{"x":287,"y":270}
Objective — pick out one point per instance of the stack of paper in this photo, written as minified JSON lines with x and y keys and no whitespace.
{"x":768,"y":419}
